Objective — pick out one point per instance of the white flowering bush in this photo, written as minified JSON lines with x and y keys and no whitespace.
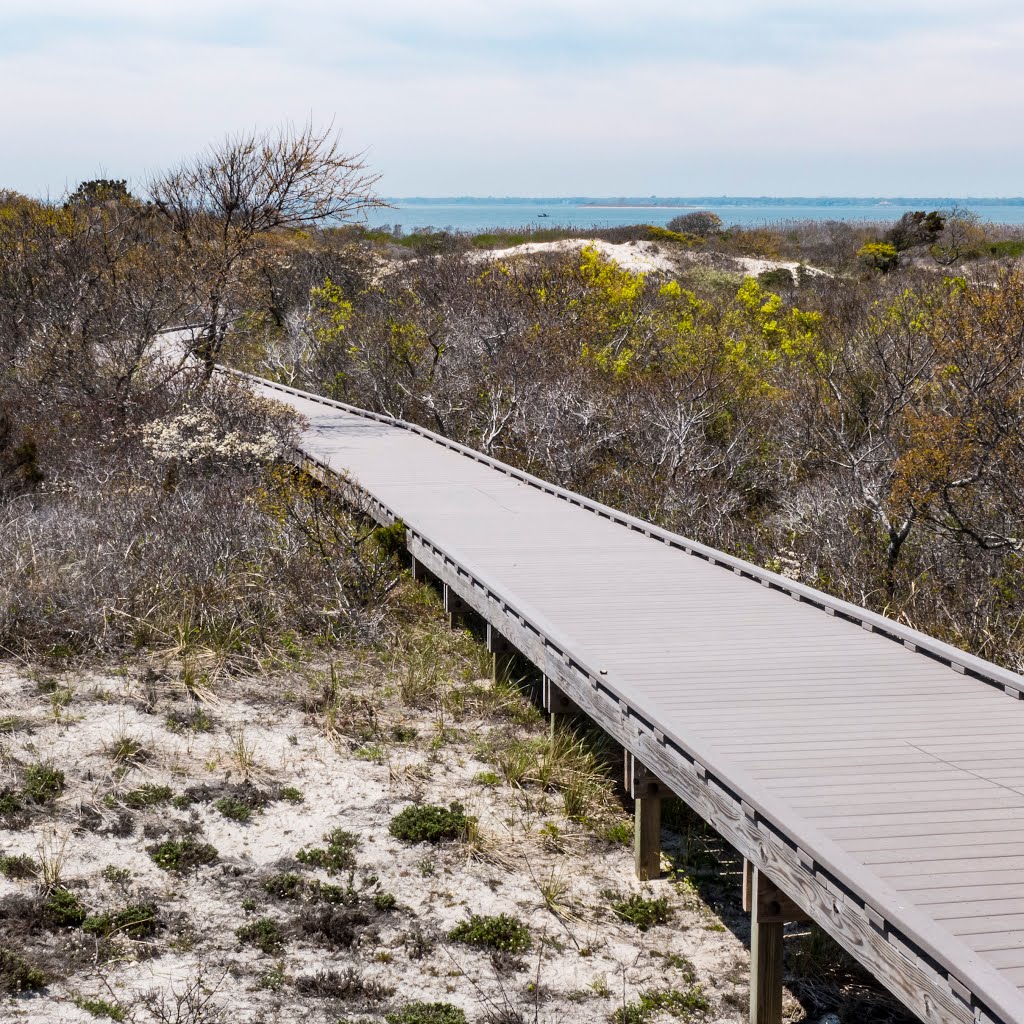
{"x":198,"y":436}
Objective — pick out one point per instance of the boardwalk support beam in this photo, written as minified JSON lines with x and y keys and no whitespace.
{"x":557,"y":703}
{"x":770,"y":911}
{"x":455,"y":608}
{"x":503,"y":655}
{"x":647,"y":791}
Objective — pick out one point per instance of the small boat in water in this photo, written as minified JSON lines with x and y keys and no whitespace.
{"x":543,"y":215}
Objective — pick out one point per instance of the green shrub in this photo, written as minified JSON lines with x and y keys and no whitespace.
{"x":265,"y":934}
{"x":43,"y":783}
{"x":684,"y":1005}
{"x":18,"y":866}
{"x":234,"y":809}
{"x":504,"y":933}
{"x":64,"y":908}
{"x":182,"y":854}
{"x":18,"y":975}
{"x":292,"y":795}
{"x":100,"y":1008}
{"x":384,"y":901}
{"x":426,"y":1013}
{"x":429,"y":823}
{"x":147,"y":795}
{"x":285,"y":886}
{"x":339,"y":854}
{"x":137,"y":920}
{"x":642,"y":912}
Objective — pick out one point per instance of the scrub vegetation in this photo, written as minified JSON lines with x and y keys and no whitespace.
{"x":246,"y":769}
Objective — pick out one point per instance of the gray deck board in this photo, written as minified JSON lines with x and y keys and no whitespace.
{"x":910,"y":773}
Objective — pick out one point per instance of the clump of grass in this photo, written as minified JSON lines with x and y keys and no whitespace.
{"x":137,"y":920}
{"x":682,"y":1004}
{"x":234,"y":809}
{"x":147,"y":795}
{"x":193,"y":720}
{"x":265,"y":934}
{"x":426,"y":1013}
{"x":640,"y":911}
{"x":18,"y":975}
{"x":100,"y":1008}
{"x":292,"y":795}
{"x":125,"y":749}
{"x":429,"y":823}
{"x":503,"y":933}
{"x":63,"y":908}
{"x":338,"y":855}
{"x":18,"y":866}
{"x":182,"y":855}
{"x":43,"y":783}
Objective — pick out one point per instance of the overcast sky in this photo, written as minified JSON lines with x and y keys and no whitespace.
{"x":532,"y":97}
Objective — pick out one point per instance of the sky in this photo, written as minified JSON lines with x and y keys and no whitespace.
{"x":531,"y":97}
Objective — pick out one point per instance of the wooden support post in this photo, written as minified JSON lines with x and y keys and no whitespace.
{"x":455,"y":608}
{"x":503,"y":655}
{"x":420,"y":573}
{"x":770,"y":910}
{"x":556,"y":703}
{"x":647,"y":791}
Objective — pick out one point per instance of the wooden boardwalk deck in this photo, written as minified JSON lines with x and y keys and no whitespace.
{"x":874,"y":775}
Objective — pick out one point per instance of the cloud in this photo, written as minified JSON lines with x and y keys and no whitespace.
{"x":531,"y":98}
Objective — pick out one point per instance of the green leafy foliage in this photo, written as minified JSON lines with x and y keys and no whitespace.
{"x":100,"y":1008}
{"x":18,"y":975}
{"x":430,"y":823}
{"x":147,"y":795}
{"x":641,"y":911}
{"x":337,"y":855}
{"x":137,"y":920}
{"x":181,"y":855}
{"x":18,"y":866}
{"x":426,"y":1013}
{"x":63,"y":908}
{"x":265,"y":934}
{"x":504,"y":933}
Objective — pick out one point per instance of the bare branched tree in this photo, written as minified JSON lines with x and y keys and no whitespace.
{"x":221,"y":207}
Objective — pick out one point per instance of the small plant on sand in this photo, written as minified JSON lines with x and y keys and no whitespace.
{"x":285,"y":886}
{"x":125,"y":749}
{"x":43,"y":783}
{"x":426,"y":1013}
{"x":639,"y":911}
{"x":18,"y":866}
{"x":265,"y":934}
{"x":100,"y":1008}
{"x":116,"y":876}
{"x":195,"y":719}
{"x":504,"y":933}
{"x":19,"y":975}
{"x":63,"y":908}
{"x":384,"y":901}
{"x":429,"y":823}
{"x":147,"y":795}
{"x":182,"y":855}
{"x":338,"y":855}
{"x":234,"y":809}
{"x":292,"y":795}
{"x":689,"y":1004}
{"x":137,"y":920}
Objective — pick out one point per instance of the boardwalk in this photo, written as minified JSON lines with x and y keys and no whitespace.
{"x":872,"y":774}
